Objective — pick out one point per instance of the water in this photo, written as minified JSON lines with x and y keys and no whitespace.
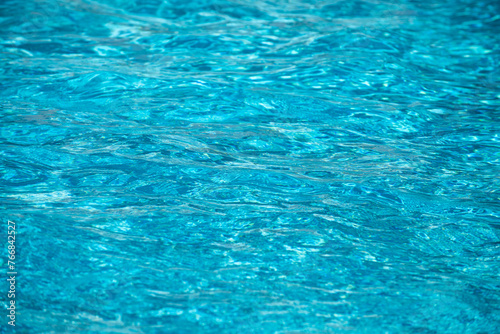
{"x":252,"y":167}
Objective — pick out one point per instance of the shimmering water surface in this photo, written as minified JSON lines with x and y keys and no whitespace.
{"x":215,"y":166}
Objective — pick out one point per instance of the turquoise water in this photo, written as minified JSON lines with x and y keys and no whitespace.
{"x":252,"y":166}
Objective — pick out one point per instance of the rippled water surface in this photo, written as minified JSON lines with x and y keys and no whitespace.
{"x":215,"y":166}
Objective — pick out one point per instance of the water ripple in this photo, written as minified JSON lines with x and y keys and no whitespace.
{"x":265,"y":167}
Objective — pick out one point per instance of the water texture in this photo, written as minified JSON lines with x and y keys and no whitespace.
{"x":214,"y":166}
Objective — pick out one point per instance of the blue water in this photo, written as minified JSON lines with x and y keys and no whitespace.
{"x":217,"y":166}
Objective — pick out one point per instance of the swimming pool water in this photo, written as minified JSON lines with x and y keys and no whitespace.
{"x":217,"y":166}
